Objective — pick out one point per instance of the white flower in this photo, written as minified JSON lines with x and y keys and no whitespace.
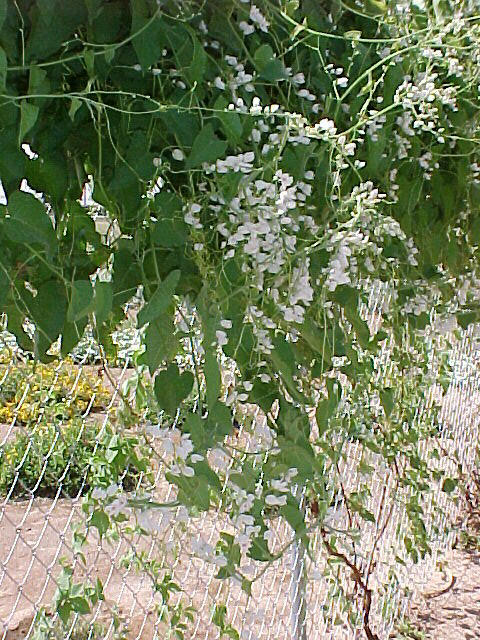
{"x":155,"y":520}
{"x":327,"y":125}
{"x":219,"y":83}
{"x":220,"y":459}
{"x":177,"y":154}
{"x":220,"y":560}
{"x":246,"y":28}
{"x":280,"y":485}
{"x":118,"y":506}
{"x":256,"y":108}
{"x":342,"y":82}
{"x":188,"y":471}
{"x":257,"y":17}
{"x":274,"y":501}
{"x":222,"y":338}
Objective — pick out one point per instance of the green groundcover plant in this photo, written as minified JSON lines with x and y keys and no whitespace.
{"x":67,"y":459}
{"x":267,"y":171}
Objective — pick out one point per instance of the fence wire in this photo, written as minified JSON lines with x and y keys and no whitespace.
{"x":55,"y":418}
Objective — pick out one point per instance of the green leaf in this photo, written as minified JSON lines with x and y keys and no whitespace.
{"x":247,"y":586}
{"x":74,"y":107}
{"x":89,"y":58}
{"x":172,"y":387}
{"x":467,"y":318}
{"x":126,"y":276}
{"x":100,"y":521}
{"x":212,"y":376}
{"x":269,"y":67}
{"x":202,"y":468}
{"x":206,"y":148}
{"x":211,"y":368}
{"x":387,"y":398}
{"x":201,"y":437}
{"x":219,"y":421}
{"x":149,"y":42}
{"x":80,"y":605}
{"x":38,"y":81}
{"x":81,"y":300}
{"x":294,"y":516}
{"x":3,"y":69}
{"x":3,"y":12}
{"x":99,"y":590}
{"x":72,"y":333}
{"x":259,"y":550}
{"x":64,"y":610}
{"x":28,"y":222}
{"x":283,"y":359}
{"x":170,"y":232}
{"x":449,"y":485}
{"x":219,"y":614}
{"x":28,"y":117}
{"x":231,"y":122}
{"x":326,"y":408}
{"x":48,"y":311}
{"x":103,"y":301}
{"x":230,"y":632}
{"x":160,"y":342}
{"x":192,"y":491}
{"x":196,"y":69}
{"x":160,"y":300}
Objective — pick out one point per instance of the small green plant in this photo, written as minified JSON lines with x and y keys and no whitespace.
{"x":73,"y":455}
{"x":47,"y":628}
{"x":406,"y":630}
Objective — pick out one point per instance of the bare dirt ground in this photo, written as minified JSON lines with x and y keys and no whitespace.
{"x":449,"y":611}
{"x":34,"y":537}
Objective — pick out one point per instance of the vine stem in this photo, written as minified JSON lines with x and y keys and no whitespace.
{"x":358,"y":579}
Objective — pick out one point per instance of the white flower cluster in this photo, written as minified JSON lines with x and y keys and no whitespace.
{"x":242,"y":79}
{"x":258,"y":20}
{"x":300,"y":291}
{"x":261,"y":225}
{"x":205,"y":551}
{"x":113,"y":507}
{"x":421,"y":99}
{"x":359,"y":243}
{"x":282,"y":486}
{"x":175,"y":448}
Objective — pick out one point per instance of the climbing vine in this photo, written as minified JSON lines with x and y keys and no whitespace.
{"x":292,"y":189}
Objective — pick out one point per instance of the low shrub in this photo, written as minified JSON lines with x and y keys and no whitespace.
{"x":74,"y":456}
{"x":53,"y":392}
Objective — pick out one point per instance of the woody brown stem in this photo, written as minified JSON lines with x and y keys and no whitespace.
{"x":357,"y":578}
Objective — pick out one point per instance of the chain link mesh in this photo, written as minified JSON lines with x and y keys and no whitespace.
{"x":53,"y":413}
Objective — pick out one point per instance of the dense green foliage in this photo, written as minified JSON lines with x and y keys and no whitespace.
{"x":267,"y":172}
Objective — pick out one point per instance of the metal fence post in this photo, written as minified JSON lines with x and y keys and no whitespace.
{"x":298,"y":595}
{"x":299,"y":579}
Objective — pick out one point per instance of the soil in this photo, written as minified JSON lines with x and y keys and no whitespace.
{"x":449,"y":608}
{"x":34,"y":536}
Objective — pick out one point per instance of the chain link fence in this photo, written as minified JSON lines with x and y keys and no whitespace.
{"x":60,"y":422}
